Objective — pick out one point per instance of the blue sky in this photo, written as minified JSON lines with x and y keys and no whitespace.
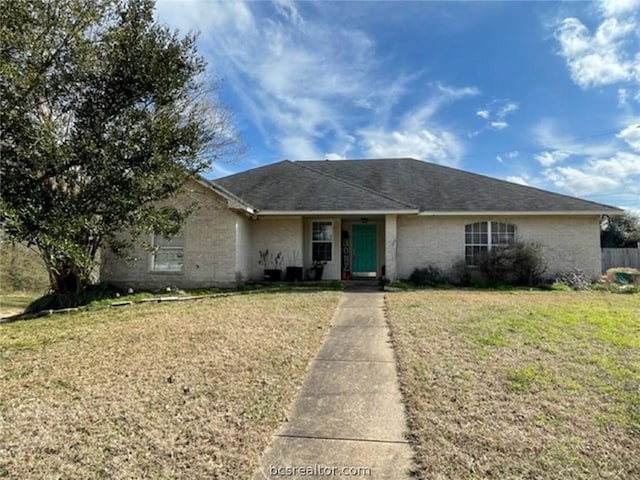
{"x":540,"y":93}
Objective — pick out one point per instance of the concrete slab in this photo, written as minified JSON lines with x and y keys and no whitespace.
{"x":349,"y":412}
{"x":362,"y":300}
{"x":357,"y":344}
{"x":375,"y":460}
{"x":336,"y":377}
{"x":348,"y":415}
{"x":359,"y":317}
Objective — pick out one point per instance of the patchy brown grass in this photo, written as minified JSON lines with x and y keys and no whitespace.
{"x":189,"y":390}
{"x":520,"y":385}
{"x":15,"y":303}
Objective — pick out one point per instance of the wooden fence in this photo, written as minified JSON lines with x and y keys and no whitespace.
{"x":620,"y":257}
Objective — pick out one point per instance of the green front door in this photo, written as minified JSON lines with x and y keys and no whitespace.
{"x":364,"y":250}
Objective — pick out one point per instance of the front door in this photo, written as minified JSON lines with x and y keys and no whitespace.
{"x":364,"y":254}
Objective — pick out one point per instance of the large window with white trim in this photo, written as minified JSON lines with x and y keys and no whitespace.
{"x":322,"y":241}
{"x":480,"y":237}
{"x":168,"y":253}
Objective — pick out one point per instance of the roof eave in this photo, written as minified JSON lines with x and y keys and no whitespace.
{"x":267,"y":213}
{"x":233,"y":202}
{"x":523,"y":212}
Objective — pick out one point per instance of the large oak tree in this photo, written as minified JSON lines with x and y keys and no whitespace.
{"x":103,"y":112}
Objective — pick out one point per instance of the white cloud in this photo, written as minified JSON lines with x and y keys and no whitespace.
{"x":606,"y":56}
{"x":288,"y":10}
{"x":517,"y":179}
{"x":579,"y":182}
{"x":435,"y":145}
{"x":546,"y":159}
{"x":495,"y":112}
{"x":441,"y":96}
{"x":595,"y":170}
{"x":418,"y":135}
{"x":547,"y":134}
{"x":334,"y":156}
{"x":620,"y":172}
{"x":507,"y":108}
{"x":613,"y":8}
{"x":191,"y":15}
{"x":631,"y":135}
{"x":298,"y":147}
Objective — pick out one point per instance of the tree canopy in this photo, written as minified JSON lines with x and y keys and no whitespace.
{"x":104,"y":112}
{"x":620,"y":231}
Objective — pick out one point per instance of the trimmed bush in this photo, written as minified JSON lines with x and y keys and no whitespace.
{"x":519,"y":263}
{"x":427,"y":277}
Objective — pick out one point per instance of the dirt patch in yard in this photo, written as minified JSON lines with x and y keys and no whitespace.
{"x":190,"y":390}
{"x":520,"y":385}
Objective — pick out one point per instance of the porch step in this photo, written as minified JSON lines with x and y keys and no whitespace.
{"x":361,"y":284}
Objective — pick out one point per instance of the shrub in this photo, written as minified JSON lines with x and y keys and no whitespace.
{"x":519,"y":263}
{"x":428,"y":276}
{"x":56,"y":301}
{"x":575,"y":278}
{"x":461,"y":273}
{"x":559,"y":286}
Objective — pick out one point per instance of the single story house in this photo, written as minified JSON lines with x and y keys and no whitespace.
{"x":359,"y":218}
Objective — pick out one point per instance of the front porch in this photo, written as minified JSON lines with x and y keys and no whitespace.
{"x":347,"y":247}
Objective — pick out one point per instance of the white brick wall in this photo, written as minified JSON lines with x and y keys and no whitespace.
{"x":277,"y":234}
{"x":568,"y":242}
{"x":209,"y":248}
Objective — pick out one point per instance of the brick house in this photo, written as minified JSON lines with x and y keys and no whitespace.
{"x":362,"y":218}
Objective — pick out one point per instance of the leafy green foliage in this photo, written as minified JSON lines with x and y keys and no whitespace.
{"x":620,"y":231}
{"x":519,"y":263}
{"x":104,"y":112}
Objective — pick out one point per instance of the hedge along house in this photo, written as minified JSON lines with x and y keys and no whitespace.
{"x":360,"y":218}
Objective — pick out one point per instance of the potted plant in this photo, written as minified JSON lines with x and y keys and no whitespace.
{"x":294,"y":273}
{"x":318,"y":268}
{"x":272,"y":265}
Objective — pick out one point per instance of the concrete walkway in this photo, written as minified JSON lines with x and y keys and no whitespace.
{"x":349,"y":413}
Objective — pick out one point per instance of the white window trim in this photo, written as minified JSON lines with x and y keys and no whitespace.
{"x":332,"y":241}
{"x":152,"y":257}
{"x":489,"y":243}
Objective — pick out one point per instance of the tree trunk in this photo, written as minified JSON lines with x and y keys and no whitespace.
{"x":66,"y":281}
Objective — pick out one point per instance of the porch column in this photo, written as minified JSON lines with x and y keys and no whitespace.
{"x":391,"y":233}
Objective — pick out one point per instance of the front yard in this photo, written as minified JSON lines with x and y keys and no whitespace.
{"x":188,"y":390}
{"x":539,"y":385}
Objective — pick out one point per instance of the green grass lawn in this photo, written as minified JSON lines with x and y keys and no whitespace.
{"x":513,"y":385}
{"x":164,"y":391}
{"x":15,"y":301}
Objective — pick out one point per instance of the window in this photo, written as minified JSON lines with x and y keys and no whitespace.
{"x":169,"y":253}
{"x":321,"y":241}
{"x":480,"y":237}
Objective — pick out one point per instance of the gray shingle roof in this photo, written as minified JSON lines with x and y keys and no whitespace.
{"x":391,"y":184}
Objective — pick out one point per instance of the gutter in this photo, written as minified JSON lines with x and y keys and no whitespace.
{"x":520,"y":213}
{"x":268,"y":213}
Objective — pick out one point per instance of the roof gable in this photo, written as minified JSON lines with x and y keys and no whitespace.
{"x":392,"y":184}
